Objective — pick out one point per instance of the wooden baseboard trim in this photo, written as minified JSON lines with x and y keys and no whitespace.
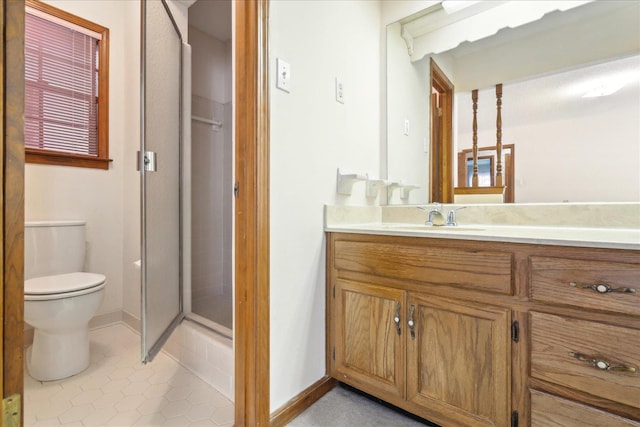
{"x":302,"y":401}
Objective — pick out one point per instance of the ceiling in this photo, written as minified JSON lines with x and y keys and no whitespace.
{"x":212,"y":17}
{"x":556,"y":96}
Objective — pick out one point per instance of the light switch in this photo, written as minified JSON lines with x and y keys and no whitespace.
{"x":406,"y":127}
{"x":283,"y":79}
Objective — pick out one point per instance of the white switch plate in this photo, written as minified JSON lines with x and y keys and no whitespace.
{"x":339,"y":90}
{"x":283,"y":79}
{"x":406,"y":127}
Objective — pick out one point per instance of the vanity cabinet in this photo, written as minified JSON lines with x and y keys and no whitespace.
{"x":370,"y":346}
{"x":444,"y":359}
{"x":473,"y":333}
{"x":458,"y":360}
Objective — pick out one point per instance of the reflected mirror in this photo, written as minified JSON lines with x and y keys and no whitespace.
{"x":570,"y":102}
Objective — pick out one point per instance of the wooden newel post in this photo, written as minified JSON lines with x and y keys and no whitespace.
{"x":474,"y":98}
{"x":499,"y":180}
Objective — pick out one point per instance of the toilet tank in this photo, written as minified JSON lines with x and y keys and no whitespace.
{"x":53,"y":247}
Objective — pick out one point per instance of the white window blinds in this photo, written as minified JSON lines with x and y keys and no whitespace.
{"x":61,"y":88}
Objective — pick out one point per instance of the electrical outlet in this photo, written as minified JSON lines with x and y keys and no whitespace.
{"x":283,"y":79}
{"x":339,"y":90}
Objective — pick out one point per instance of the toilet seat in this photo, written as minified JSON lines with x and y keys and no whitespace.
{"x":62,"y":286}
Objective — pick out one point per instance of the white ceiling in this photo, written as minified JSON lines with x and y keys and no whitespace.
{"x":212,"y":17}
{"x":557,"y":96}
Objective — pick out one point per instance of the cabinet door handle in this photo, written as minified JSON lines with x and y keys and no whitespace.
{"x":411,"y":323}
{"x":601,"y":364}
{"x":396,"y":318}
{"x":603,"y":288}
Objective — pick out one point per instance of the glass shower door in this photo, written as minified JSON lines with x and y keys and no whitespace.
{"x":161,"y":184}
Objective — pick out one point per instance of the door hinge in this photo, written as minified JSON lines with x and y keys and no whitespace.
{"x":236,"y":189}
{"x":514,"y":419}
{"x":515,"y":331}
{"x":334,"y":353}
{"x":11,"y":411}
{"x":334,"y":292}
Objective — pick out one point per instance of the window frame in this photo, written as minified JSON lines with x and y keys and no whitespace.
{"x":102,"y":160}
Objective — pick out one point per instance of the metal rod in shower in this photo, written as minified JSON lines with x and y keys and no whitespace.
{"x":212,"y":122}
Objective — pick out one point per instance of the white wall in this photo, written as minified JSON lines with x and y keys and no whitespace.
{"x":408,"y":99}
{"x":131,"y":181}
{"x":311,"y":136}
{"x":567,"y":148}
{"x":98,"y":196}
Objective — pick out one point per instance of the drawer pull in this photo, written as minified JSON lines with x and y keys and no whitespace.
{"x":601,"y":364}
{"x":603,"y":288}
{"x":396,"y":318}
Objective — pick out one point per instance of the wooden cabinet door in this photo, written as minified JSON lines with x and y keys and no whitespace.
{"x":458,"y":361}
{"x":369,"y":350}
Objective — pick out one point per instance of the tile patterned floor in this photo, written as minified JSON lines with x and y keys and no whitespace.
{"x":117,"y":390}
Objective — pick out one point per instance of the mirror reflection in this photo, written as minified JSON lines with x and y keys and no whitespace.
{"x":569,"y":103}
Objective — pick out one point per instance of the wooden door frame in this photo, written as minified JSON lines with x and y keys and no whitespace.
{"x":442,"y":180}
{"x":12,"y":199}
{"x":252,"y":209}
{"x":251,"y":214}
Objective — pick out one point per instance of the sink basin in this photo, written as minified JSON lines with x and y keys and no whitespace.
{"x":430,"y":228}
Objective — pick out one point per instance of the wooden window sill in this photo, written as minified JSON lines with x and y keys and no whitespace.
{"x":65,"y":159}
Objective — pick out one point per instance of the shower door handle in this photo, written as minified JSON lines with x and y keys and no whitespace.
{"x":149,"y":161}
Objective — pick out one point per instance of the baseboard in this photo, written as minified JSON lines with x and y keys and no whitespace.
{"x":105,"y":319}
{"x":283,"y":415}
{"x":131,"y":321}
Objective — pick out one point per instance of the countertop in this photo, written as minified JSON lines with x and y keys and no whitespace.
{"x":596,"y":237}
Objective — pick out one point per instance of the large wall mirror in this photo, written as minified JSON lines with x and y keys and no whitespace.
{"x":570,"y":78}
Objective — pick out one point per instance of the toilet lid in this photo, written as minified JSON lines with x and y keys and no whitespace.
{"x":62,"y":283}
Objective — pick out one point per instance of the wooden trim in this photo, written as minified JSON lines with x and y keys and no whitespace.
{"x":252,"y":215}
{"x":442,"y":162}
{"x":294,"y":407}
{"x":62,"y":159}
{"x":509,"y":169}
{"x":12,"y":198}
{"x":479,"y":190}
{"x":2,"y":145}
{"x":101,"y":161}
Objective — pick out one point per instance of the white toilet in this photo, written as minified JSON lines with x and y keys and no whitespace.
{"x":59,"y":299}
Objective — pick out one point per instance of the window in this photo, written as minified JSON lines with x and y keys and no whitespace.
{"x":66,"y":89}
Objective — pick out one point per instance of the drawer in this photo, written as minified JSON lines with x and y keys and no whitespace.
{"x":474,"y":269}
{"x":600,"y":285}
{"x":568,"y":352}
{"x":553,"y":411}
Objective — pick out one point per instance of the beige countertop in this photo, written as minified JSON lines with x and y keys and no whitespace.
{"x":613,"y":238}
{"x":373,"y":220}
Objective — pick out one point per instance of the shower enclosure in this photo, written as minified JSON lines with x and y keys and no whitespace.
{"x":209,"y":288}
{"x":211,"y":301}
{"x":186,"y":167}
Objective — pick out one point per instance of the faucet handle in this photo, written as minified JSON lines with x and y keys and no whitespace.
{"x":451,"y":216}
{"x":438,"y":206}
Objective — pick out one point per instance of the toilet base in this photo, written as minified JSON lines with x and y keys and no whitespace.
{"x":59,"y":354}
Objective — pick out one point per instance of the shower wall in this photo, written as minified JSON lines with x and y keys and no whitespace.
{"x":211,"y":179}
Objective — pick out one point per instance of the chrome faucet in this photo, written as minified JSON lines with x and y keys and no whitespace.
{"x":434,"y":216}
{"x":451,"y":217}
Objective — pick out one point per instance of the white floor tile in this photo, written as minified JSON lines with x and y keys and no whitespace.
{"x":118,"y":390}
